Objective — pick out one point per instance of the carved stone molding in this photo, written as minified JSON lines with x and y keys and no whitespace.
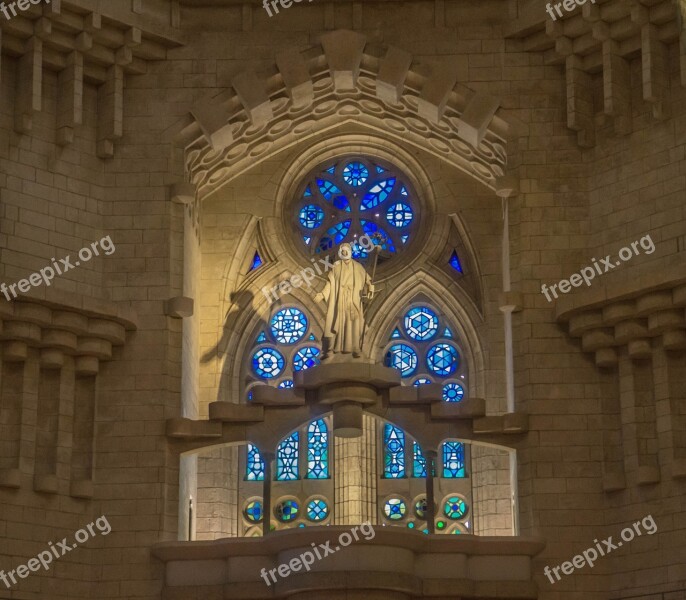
{"x":344,"y":79}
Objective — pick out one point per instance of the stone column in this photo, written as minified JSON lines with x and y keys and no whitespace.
{"x":355,"y":480}
{"x":430,"y":456}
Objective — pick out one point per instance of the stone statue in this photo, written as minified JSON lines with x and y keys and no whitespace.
{"x":348,"y":283}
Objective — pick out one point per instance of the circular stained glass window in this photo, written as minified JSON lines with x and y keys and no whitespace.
{"x":317,"y":509}
{"x":455,"y":507}
{"x":355,"y":174}
{"x":395,"y":509}
{"x":399,"y":215}
{"x":311,"y":216}
{"x":403,"y":358}
{"x":286,"y":384}
{"x":421,"y":381}
{"x":347,"y":198}
{"x":453,"y":392}
{"x":420,"y":507}
{"x":253,"y":511}
{"x":268,"y":363}
{"x":421,"y":323}
{"x":287,"y":511}
{"x":289,"y":325}
{"x":305,"y":358}
{"x":442,"y":359}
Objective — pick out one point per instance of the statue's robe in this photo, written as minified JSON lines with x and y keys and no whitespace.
{"x":345,"y":314}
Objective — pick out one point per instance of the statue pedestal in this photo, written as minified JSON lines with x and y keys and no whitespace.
{"x":347,"y":385}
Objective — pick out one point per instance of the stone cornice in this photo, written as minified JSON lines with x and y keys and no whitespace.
{"x":629,"y":313}
{"x":60,"y":323}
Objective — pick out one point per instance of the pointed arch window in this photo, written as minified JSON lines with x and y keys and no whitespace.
{"x":287,"y":459}
{"x":318,"y":450}
{"x":453,"y":460}
{"x":394,"y":452}
{"x":254,"y":467}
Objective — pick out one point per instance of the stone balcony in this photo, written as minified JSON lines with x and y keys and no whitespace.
{"x":395,"y":564}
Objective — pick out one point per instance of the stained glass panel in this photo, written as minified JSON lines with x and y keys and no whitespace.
{"x":254,"y":467}
{"x":442,"y":359}
{"x":268,"y":363}
{"x":317,"y":450}
{"x":289,"y":325}
{"x":419,"y":463}
{"x":394,"y":452}
{"x":421,"y":323}
{"x":305,"y":358}
{"x":453,"y":460}
{"x":403,"y":358}
{"x":287,"y":459}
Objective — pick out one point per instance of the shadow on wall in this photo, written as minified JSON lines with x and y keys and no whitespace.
{"x":240,"y":302}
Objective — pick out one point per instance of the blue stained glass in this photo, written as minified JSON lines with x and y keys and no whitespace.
{"x":403,"y":358}
{"x":328,"y":189}
{"x":399,"y":215}
{"x":307,"y":239}
{"x":339,"y":231}
{"x":308,"y":192}
{"x":394,"y":452}
{"x":395,"y":509}
{"x":268,"y":363}
{"x":312,"y":338}
{"x":403,"y":191}
{"x":421,"y":381}
{"x":421,"y":323}
{"x":317,"y":450}
{"x":287,"y":459}
{"x":380,"y":169}
{"x":404,"y":238}
{"x":289,"y":325}
{"x":305,"y":358}
{"x":253,"y":511}
{"x":287,"y":511}
{"x":311,"y":216}
{"x":455,"y":507}
{"x":378,"y":235}
{"x":254,"y":465}
{"x":286,"y":384}
{"x":395,"y":334}
{"x":453,"y":392}
{"x":317,"y":510}
{"x":359,"y":252}
{"x":331,"y":170}
{"x":447,"y":333}
{"x":419,"y":463}
{"x":261,"y":338}
{"x":341,"y":203}
{"x":355,"y":174}
{"x":377,"y":194}
{"x":256,"y":262}
{"x":443,"y":359}
{"x":326,"y":243}
{"x":453,"y":460}
{"x":455,"y":262}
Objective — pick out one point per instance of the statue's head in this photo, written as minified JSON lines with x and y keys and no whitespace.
{"x":345,"y":252}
